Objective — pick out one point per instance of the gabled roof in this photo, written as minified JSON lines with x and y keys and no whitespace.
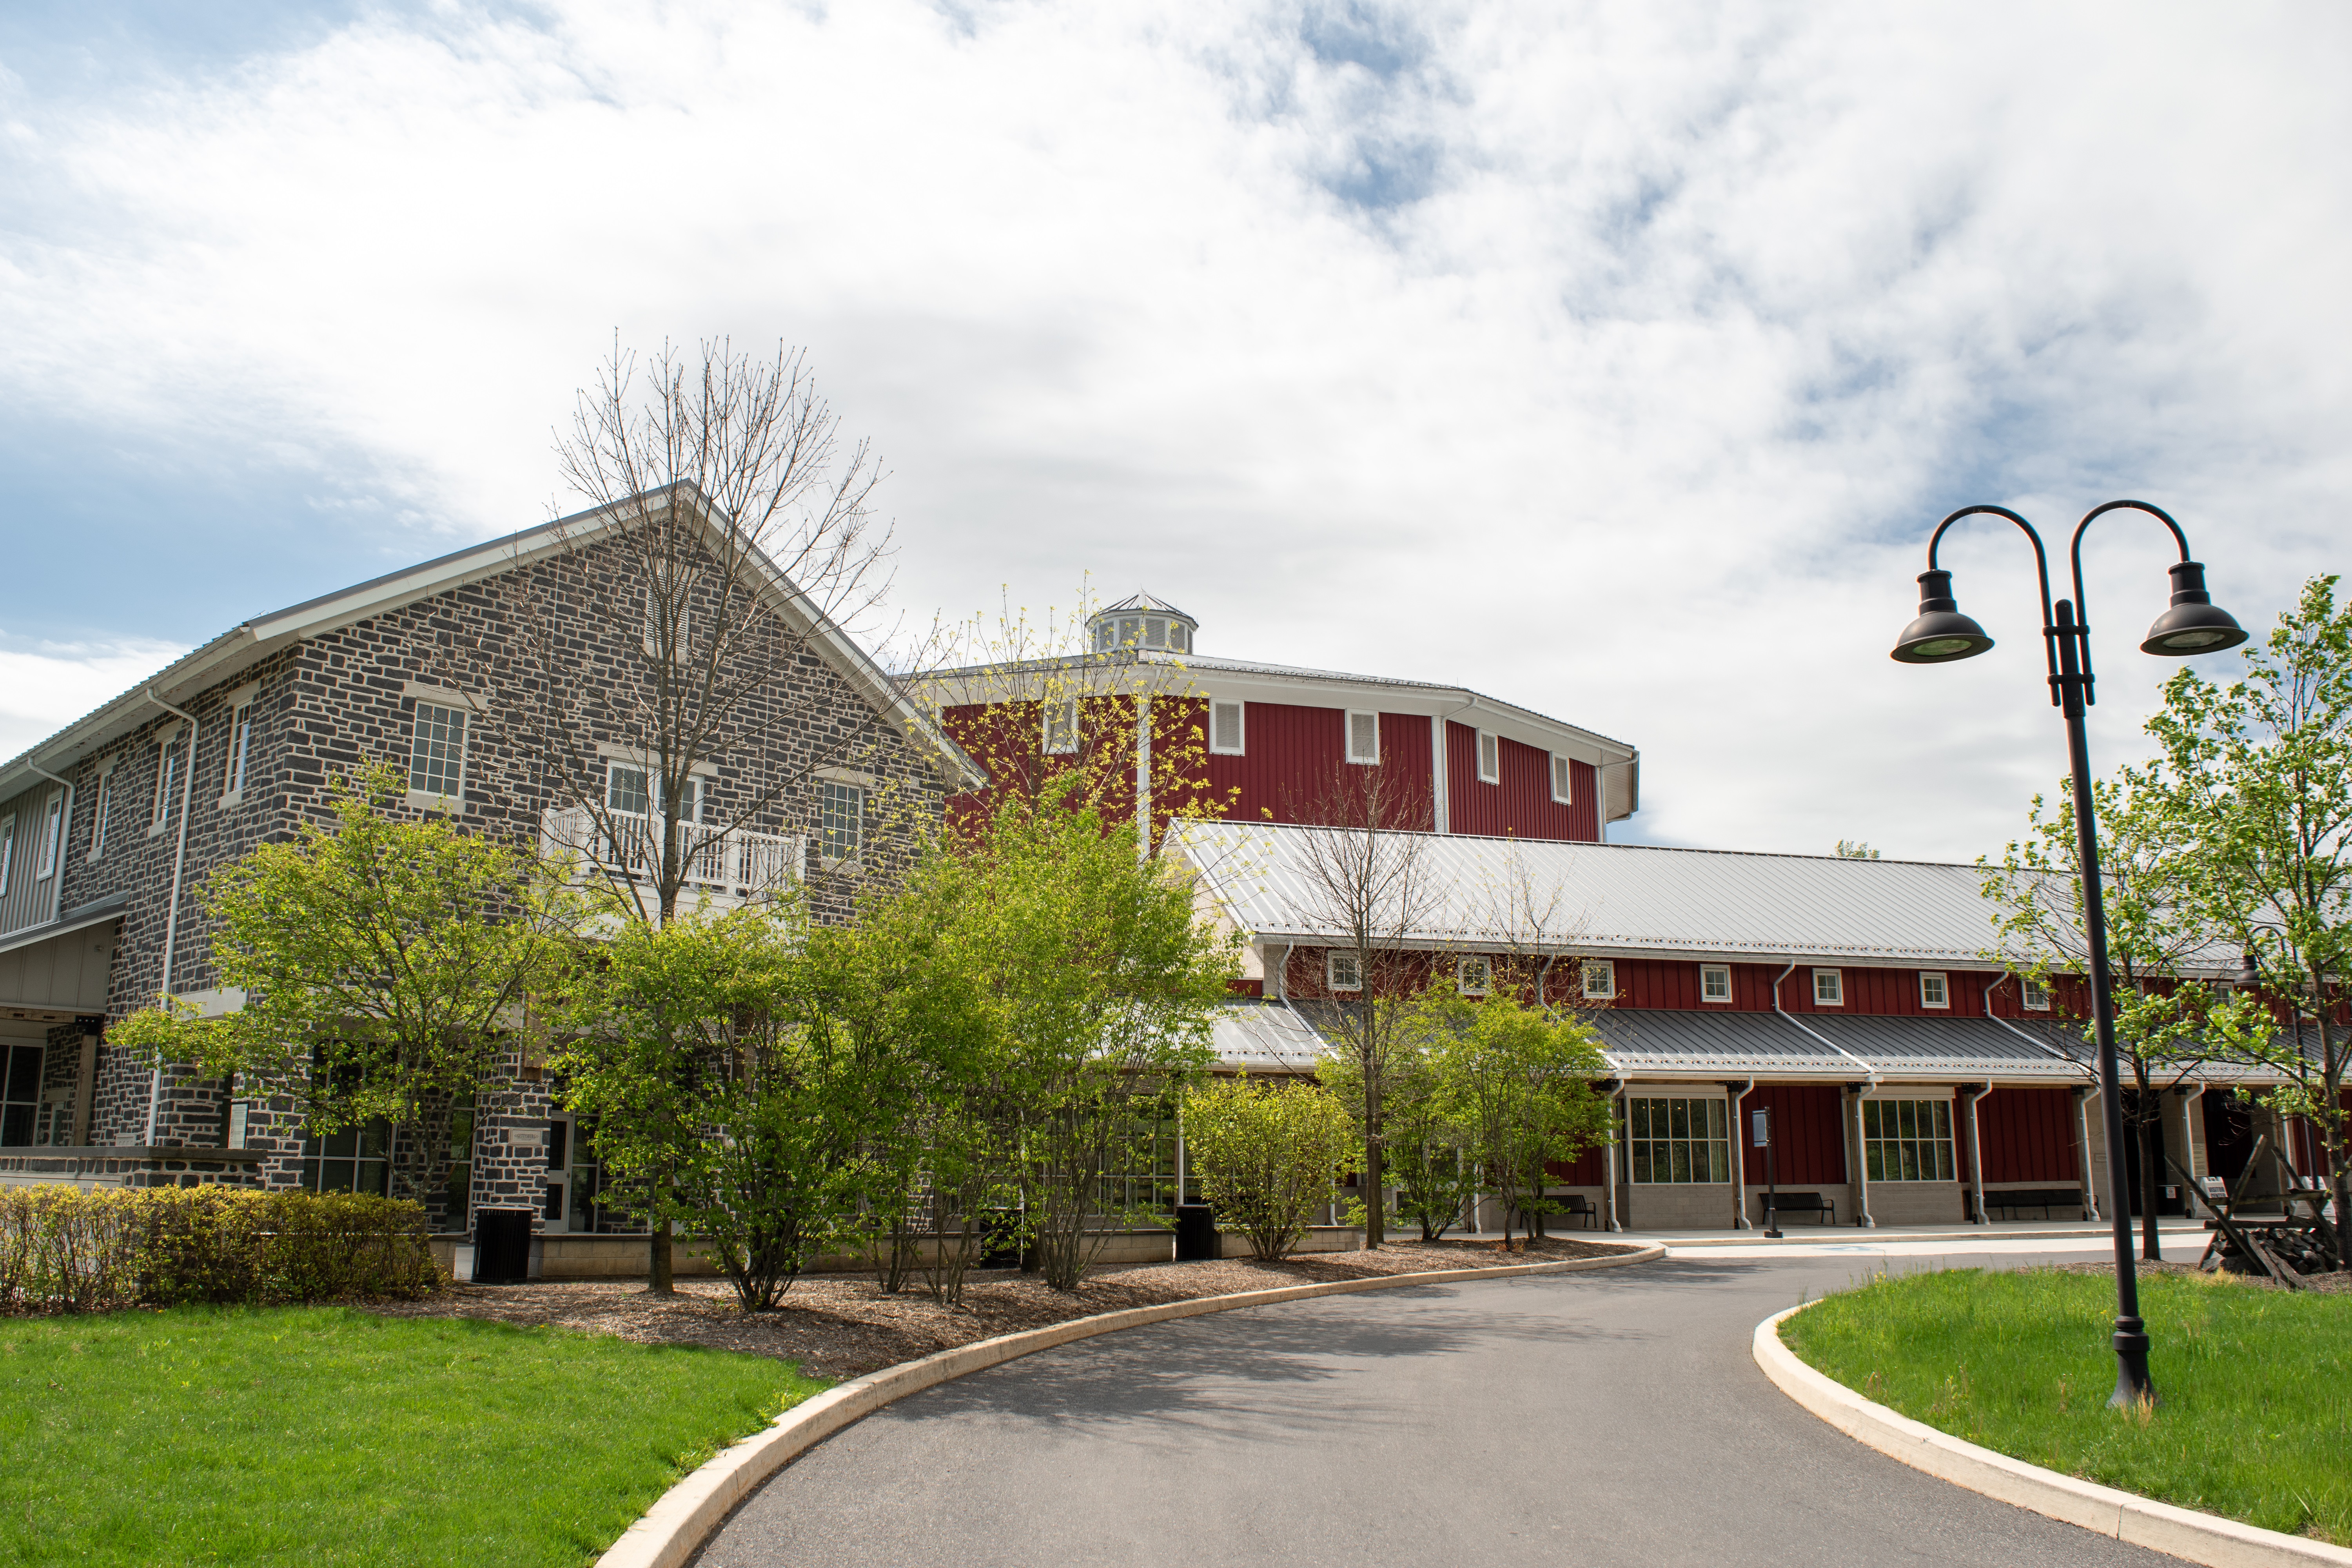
{"x":1628,"y":901}
{"x":248,"y":644}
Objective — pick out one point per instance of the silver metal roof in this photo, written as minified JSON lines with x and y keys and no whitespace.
{"x":1265,"y":1036}
{"x":1625,"y":899}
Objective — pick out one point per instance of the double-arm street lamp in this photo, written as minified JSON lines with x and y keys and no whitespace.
{"x":2193,"y":625}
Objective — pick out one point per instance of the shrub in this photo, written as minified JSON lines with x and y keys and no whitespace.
{"x":64,"y":1250}
{"x":1266,"y":1155}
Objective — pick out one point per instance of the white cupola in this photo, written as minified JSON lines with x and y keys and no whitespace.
{"x":1141,"y":621}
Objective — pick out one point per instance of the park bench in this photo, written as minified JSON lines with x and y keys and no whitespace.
{"x":2042,"y":1198}
{"x":1806,"y":1203}
{"x":1582,"y":1207}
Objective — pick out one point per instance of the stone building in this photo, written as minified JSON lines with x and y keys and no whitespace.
{"x":511,"y":681}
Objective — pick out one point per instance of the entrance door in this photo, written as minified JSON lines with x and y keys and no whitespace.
{"x":555,"y":1207}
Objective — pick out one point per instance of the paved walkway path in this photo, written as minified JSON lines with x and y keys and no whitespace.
{"x":1613,"y":1417}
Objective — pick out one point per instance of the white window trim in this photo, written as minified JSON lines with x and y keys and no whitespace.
{"x":1603,"y":968}
{"x":1474,"y":963}
{"x":1064,"y":709}
{"x":1489,"y":738}
{"x":1723,"y":969}
{"x":2026,"y":990}
{"x":1331,"y":980}
{"x":104,"y":804}
{"x":1837,"y":984}
{"x":159,"y":811}
{"x":452,"y":803}
{"x":1563,"y":779}
{"x":1943,"y":983}
{"x":1348,"y":736}
{"x":1931,"y":1096}
{"x":836,"y":862}
{"x":52,"y":830}
{"x":1241,"y":729}
{"x":240,"y":746}
{"x":7,"y":850}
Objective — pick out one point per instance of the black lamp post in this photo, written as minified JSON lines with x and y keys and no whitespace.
{"x":2193,"y":625}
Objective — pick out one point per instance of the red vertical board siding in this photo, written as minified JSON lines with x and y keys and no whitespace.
{"x":1590,"y":1168}
{"x":1808,"y":1134}
{"x":2027,"y":1135}
{"x":1520,"y":806}
{"x":1674,"y":982}
{"x":1295,"y":757}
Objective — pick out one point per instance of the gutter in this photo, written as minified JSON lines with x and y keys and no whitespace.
{"x":1976,"y":1152}
{"x":179,"y":870}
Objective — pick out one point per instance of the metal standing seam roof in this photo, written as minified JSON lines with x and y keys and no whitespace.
{"x":1265,"y":1035}
{"x":1622,"y":900}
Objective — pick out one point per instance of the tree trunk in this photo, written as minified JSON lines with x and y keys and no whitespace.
{"x":2151,"y":1134}
{"x":1376,"y":1230}
{"x":661,"y":1284}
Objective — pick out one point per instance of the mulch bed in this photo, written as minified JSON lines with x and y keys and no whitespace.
{"x":841,"y":1325}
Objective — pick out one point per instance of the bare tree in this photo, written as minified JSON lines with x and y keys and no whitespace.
{"x":1375,"y":890}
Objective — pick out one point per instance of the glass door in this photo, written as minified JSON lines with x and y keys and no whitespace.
{"x":555,"y":1209}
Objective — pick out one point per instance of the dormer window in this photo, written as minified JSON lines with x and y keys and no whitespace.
{"x":1227,"y":734}
{"x":1490,"y":757}
{"x":1061,"y":725}
{"x":1363,"y":737}
{"x":1563,"y":781}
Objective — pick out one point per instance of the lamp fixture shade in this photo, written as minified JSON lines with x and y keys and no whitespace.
{"x":2249,"y":972}
{"x":2194,"y":623}
{"x":1942,"y":633}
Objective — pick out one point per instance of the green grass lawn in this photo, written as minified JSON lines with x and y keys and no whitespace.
{"x":2254,"y":1418}
{"x":324,"y":1436}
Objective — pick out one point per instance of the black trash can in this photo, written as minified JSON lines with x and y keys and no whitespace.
{"x":502,"y":1246}
{"x":1196,"y":1233}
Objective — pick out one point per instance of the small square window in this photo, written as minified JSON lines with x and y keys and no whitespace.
{"x":1563,"y":781}
{"x":1828,"y":988}
{"x":1473,"y":974}
{"x":1600,"y":979}
{"x":1715,"y":982}
{"x":1061,"y":725}
{"x":1363,"y":737}
{"x":1343,"y":971}
{"x":1490,"y":757}
{"x":2037,"y":996}
{"x":1933,"y":992}
{"x":1227,"y":735}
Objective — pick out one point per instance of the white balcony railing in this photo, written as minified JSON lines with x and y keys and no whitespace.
{"x":729,"y":863}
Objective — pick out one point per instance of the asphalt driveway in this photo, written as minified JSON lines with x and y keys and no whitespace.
{"x":1610,"y":1417}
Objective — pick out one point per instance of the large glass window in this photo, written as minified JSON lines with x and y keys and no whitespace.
{"x":356,"y":1160}
{"x":1677,"y":1140}
{"x":843,"y":821}
{"x":1908,"y":1141}
{"x":20,"y":1093}
{"x":437,"y":759}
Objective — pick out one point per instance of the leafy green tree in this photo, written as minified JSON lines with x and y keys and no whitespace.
{"x":1424,"y":1146}
{"x":1267,"y":1155}
{"x":740,"y":1088}
{"x":1518,"y":1081}
{"x":2261,"y":775}
{"x":2161,"y":1039}
{"x":386,"y":964}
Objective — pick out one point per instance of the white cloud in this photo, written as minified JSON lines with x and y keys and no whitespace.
{"x":47,"y":686}
{"x":1616,"y":363}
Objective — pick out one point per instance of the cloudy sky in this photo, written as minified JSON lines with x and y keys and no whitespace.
{"x":1613,"y":360}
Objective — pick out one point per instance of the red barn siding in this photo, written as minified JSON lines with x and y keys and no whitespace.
{"x":2027,"y":1135}
{"x":1520,"y":806}
{"x":1808,"y":1134}
{"x":1590,"y":1168}
{"x":1295,"y":756}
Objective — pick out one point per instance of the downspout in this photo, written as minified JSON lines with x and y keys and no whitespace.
{"x":64,"y":832}
{"x":1608,"y":1162}
{"x":2083,"y":1146}
{"x":179,"y":867}
{"x":2189,"y":1097}
{"x":1441,"y":798}
{"x":1860,"y":1174}
{"x":1739,"y":1155}
{"x":1976,"y":1156}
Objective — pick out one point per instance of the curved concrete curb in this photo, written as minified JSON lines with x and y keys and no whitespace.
{"x":2158,"y":1526}
{"x":681,"y":1517}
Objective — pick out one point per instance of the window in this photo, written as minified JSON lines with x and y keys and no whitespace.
{"x":240,"y":1114}
{"x":240,"y":736}
{"x":53,"y":829}
{"x":1227,"y":735}
{"x":1490,"y":757}
{"x":1600,"y":979}
{"x":99,"y":813}
{"x":436,"y":758}
{"x":167,"y":761}
{"x":1363,"y":737}
{"x":1061,"y":724}
{"x":1155,"y":631}
{"x":842,"y":821}
{"x":666,"y":602}
{"x":1104,"y":633}
{"x":20,"y":1093}
{"x":1131,"y":630}
{"x":2037,"y":996}
{"x":1563,"y":781}
{"x":1828,"y":988}
{"x":1473,"y":974}
{"x":1932,"y":991}
{"x":625,"y":791}
{"x":356,"y":1160}
{"x":1907,"y":1141}
{"x":1679,"y":1139}
{"x":8,"y":851}
{"x":1715,"y":982}
{"x":1343,"y":971}
{"x":1178,"y":637}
